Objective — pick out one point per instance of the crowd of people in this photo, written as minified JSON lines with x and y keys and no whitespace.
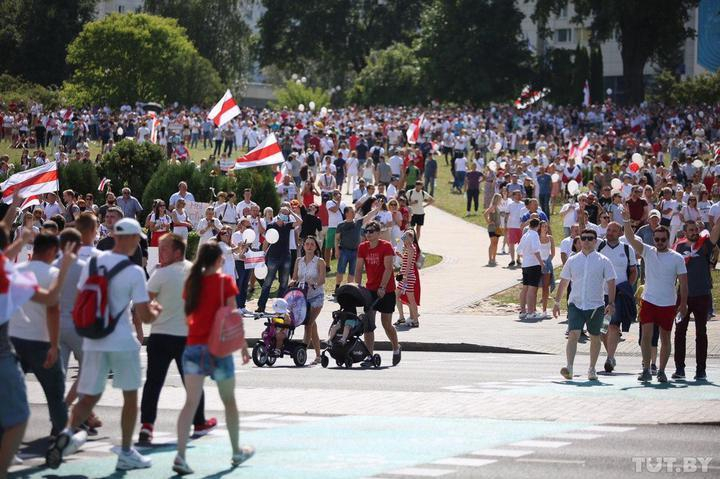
{"x":352,"y":188}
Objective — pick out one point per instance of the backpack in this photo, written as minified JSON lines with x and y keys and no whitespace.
{"x":91,"y":313}
{"x":603,"y":243}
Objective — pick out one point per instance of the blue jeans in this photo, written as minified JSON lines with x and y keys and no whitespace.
{"x":459,"y":179}
{"x":281,"y":267}
{"x":544,"y":200}
{"x":243,"y":277}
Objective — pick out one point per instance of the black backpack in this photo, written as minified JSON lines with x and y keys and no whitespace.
{"x":603,"y":244}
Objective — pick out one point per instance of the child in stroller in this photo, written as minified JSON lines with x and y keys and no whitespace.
{"x":347,"y":347}
{"x":289,"y":312}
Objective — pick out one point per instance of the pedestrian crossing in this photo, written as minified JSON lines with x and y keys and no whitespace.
{"x":497,"y":386}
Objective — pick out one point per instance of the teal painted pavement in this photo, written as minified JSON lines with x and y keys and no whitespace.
{"x":333,"y":448}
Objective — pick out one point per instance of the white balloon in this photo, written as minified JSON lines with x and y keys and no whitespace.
{"x":698,"y":163}
{"x":261,"y":271}
{"x":312,"y":106}
{"x":323,"y":111}
{"x":616,"y":183}
{"x":492,"y":165}
{"x":637,"y":158}
{"x":573,"y":187}
{"x":609,"y":91}
{"x":272,"y":236}
{"x":248,"y":236}
{"x":301,"y":107}
{"x":497,"y":147}
{"x":120,"y":131}
{"x":555,"y":177}
{"x":503,"y":164}
{"x":701,"y":114}
{"x":294,"y":76}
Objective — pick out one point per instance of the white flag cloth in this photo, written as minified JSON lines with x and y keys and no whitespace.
{"x":35,"y":181}
{"x":266,"y":153}
{"x":413,"y":131}
{"x":225,"y":110}
{"x":253,"y":259}
{"x":16,"y":288}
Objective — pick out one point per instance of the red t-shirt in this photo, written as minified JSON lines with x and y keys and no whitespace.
{"x":375,"y":264}
{"x":201,"y":320}
{"x":636,"y":208}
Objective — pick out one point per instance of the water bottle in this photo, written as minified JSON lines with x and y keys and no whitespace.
{"x":605,"y":324}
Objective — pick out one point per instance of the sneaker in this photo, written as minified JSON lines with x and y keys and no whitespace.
{"x":545,"y":315}
{"x":609,"y":365}
{"x":512,"y":264}
{"x":592,"y":375}
{"x":397,"y":355}
{"x":522,"y":315}
{"x":91,"y":431}
{"x":246,"y":452}
{"x":202,"y":429}
{"x":181,"y":467}
{"x":76,"y":442}
{"x":645,"y":376}
{"x":519,"y":262}
{"x":653,"y":369}
{"x":130,"y":460}
{"x":566,"y":373}
{"x":662,"y":377}
{"x":16,"y":461}
{"x":367,"y":362}
{"x":679,"y":373}
{"x":700,"y":375}
{"x":146,"y":434}
{"x":54,"y":454}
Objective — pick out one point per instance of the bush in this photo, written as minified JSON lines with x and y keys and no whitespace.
{"x":392,"y":76}
{"x":700,"y":89}
{"x":193,"y":241}
{"x":14,"y":89}
{"x":293,"y":94}
{"x":131,"y":165}
{"x":79,"y":176}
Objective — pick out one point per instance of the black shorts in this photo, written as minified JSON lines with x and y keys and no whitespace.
{"x":417,"y":220}
{"x":384,"y":306}
{"x":531,"y":276}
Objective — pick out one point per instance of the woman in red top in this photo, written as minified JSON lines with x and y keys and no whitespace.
{"x":206,"y":291}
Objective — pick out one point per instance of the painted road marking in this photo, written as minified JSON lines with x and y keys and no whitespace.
{"x":551,"y":461}
{"x":608,"y":429}
{"x":300,"y":418}
{"x":259,"y":425}
{"x":502,"y":452}
{"x":465,"y":462}
{"x":542,"y":444}
{"x":573,"y":435}
{"x":258,"y":417}
{"x":418,"y":471}
{"x":475,"y":390}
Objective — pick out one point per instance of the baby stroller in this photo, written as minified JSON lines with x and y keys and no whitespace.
{"x":350,"y":297}
{"x":265,"y":351}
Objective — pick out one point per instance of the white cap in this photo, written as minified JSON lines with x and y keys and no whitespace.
{"x":280,"y":306}
{"x":128,"y":226}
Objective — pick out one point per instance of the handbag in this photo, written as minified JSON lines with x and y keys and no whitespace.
{"x":228,"y":333}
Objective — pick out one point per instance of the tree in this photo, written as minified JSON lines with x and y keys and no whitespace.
{"x":216,"y":28}
{"x":474,"y":50}
{"x":597,"y":88}
{"x":80,"y":176}
{"x":131,"y":165}
{"x":293,"y":94}
{"x":700,"y":89}
{"x":581,"y":73}
{"x":126,"y":58}
{"x":555,"y":71}
{"x":327,"y":39}
{"x":34,"y":35}
{"x":393,"y":76}
{"x":644,"y":31}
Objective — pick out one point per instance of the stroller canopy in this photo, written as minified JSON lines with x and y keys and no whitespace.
{"x":297,"y":305}
{"x":351,"y":296}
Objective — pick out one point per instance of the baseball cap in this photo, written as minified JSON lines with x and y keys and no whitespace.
{"x":655,"y":213}
{"x":128,"y":226}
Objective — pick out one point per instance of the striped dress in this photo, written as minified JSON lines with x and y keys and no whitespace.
{"x":411,"y":277}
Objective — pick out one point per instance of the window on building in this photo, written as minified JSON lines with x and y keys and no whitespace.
{"x":563,"y":35}
{"x":121,"y":8}
{"x":563,"y":12}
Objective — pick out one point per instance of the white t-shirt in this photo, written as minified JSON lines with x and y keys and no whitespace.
{"x":87,"y":252}
{"x":227,"y":212}
{"x":129,"y":285}
{"x":588,"y":274}
{"x":334,"y":218}
{"x":242,"y":206}
{"x":566,"y":246}
{"x":661,"y":272}
{"x":168,"y":283}
{"x":619,"y":260}
{"x":715,"y":211}
{"x":515,"y":211}
{"x":529,"y":245}
{"x":570,"y":218}
{"x":416,"y":201}
{"x":203,"y":223}
{"x":30,"y":321}
{"x":461,"y":164}
{"x":395,"y":163}
{"x":229,"y":264}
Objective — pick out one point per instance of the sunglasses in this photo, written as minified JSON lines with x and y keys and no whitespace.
{"x":587,"y":238}
{"x":660,"y":240}
{"x":371,"y":230}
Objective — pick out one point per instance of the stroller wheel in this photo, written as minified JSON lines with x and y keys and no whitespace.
{"x":348,"y":363}
{"x":324,"y":361}
{"x":259,"y":355}
{"x":300,"y":356}
{"x":271,"y":360}
{"x":376,"y":360}
{"x":339,"y":363}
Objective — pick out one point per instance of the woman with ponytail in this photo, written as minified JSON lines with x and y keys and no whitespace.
{"x":206,"y":291}
{"x":408,"y":285}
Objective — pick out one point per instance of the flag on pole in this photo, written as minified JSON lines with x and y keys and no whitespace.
{"x":266,"y":153}
{"x":103,"y":183}
{"x":16,"y":288}
{"x":583,"y":147}
{"x":413,"y":131}
{"x":280,"y":174}
{"x":225,"y":110}
{"x":30,"y":201}
{"x":586,"y":94}
{"x":35,"y":181}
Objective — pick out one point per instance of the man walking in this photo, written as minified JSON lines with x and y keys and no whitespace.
{"x":376,"y":256}
{"x":418,"y":199}
{"x":532,"y":270}
{"x":589,"y":272}
{"x":663,"y":269}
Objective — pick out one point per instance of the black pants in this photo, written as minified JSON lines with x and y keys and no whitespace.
{"x":699,"y":307}
{"x":218,"y":147}
{"x":472,"y":196}
{"x":163,"y":349}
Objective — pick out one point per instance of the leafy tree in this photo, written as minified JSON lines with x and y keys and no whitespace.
{"x":131,"y":165}
{"x":474,"y":49}
{"x":581,"y":73}
{"x":17,"y":90}
{"x":216,"y":28}
{"x":126,"y":58}
{"x":80,"y":176}
{"x":34,"y":35}
{"x":597,"y":89}
{"x":327,"y":39}
{"x":392,"y":76}
{"x":555,"y":71}
{"x":644,"y":30}
{"x":700,"y":89}
{"x":293,"y":94}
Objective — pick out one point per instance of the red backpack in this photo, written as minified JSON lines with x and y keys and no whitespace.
{"x":91,"y":314}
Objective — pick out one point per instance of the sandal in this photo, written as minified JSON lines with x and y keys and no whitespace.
{"x":413,"y":324}
{"x":400,"y":322}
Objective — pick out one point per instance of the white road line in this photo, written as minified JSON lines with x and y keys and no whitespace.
{"x":258,"y":417}
{"x":422,"y":472}
{"x":456,"y":387}
{"x":260,"y":425}
{"x":476,"y":390}
{"x":300,"y":418}
{"x":551,"y":461}
{"x":498,"y":386}
{"x":502,"y":452}
{"x":608,"y":429}
{"x":573,"y":435}
{"x":465,"y":462}
{"x":541,"y":444}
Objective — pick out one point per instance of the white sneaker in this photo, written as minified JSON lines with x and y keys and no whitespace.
{"x":76,"y":442}
{"x":131,"y":460}
{"x":523,"y":315}
{"x":592,"y":375}
{"x":16,"y":461}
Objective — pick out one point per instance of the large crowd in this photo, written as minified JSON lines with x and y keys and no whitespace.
{"x":633,"y":189}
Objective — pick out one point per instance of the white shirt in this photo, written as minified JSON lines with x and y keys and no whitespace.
{"x":51,"y":210}
{"x":242,"y":206}
{"x":227,"y":212}
{"x":661,"y":272}
{"x":86,"y":252}
{"x":334,"y":218}
{"x":529,"y":245}
{"x":129,"y":285}
{"x":588,"y":274}
{"x":619,"y":260}
{"x":715,"y":211}
{"x":395,"y":163}
{"x":203,"y":223}
{"x":168,"y":283}
{"x":30,"y":321}
{"x":570,"y":218}
{"x":515,"y":210}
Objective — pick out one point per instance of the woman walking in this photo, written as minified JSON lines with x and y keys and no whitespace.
{"x":409,"y":286}
{"x":309,"y":275}
{"x":158,"y":223}
{"x":206,"y":291}
{"x":495,"y":230}
{"x":547,"y":253}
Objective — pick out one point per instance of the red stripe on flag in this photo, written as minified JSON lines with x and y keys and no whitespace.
{"x":41,"y":178}
{"x":260,"y":153}
{"x":227,"y":105}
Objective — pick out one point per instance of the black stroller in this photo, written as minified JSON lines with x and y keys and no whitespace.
{"x":350,"y":297}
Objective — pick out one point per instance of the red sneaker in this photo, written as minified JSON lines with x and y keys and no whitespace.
{"x":202,"y":429}
{"x":146,"y":434}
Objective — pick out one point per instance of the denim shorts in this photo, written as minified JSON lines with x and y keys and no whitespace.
{"x":316,"y":301}
{"x":198,"y":360}
{"x":13,"y":395}
{"x":347,"y":259}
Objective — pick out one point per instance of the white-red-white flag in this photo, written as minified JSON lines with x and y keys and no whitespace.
{"x":586,"y":94}
{"x":35,"y":181}
{"x":413,"y":131}
{"x":225,"y":110}
{"x":16,"y":288}
{"x":30,"y":201}
{"x":583,"y":147}
{"x":103,"y":183}
{"x":266,"y":153}
{"x":253,"y":259}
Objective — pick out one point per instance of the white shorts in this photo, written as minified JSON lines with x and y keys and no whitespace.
{"x":96,"y":365}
